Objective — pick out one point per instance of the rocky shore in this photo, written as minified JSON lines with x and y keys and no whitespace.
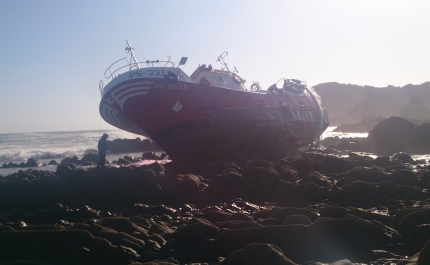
{"x":311,"y":210}
{"x":389,"y":136}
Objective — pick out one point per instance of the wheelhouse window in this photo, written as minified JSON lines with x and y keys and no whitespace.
{"x":203,"y":80}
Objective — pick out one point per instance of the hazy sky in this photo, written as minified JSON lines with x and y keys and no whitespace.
{"x":53,"y":53}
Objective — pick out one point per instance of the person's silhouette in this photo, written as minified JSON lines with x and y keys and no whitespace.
{"x":102,"y":151}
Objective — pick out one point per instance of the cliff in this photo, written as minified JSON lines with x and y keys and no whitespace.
{"x":348,"y":103}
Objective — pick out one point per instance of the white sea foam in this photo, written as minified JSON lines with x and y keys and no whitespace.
{"x":330,"y":133}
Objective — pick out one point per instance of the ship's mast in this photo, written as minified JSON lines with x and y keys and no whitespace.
{"x":133,"y":61}
{"x":221,"y":59}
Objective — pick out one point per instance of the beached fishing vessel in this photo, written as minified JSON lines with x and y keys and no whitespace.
{"x":210,"y":115}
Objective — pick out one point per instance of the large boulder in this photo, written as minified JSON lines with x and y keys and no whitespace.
{"x":366,"y":174}
{"x":129,"y":145}
{"x":185,"y":188}
{"x":31,"y":162}
{"x":74,"y":160}
{"x":227,"y":185}
{"x":260,"y":183}
{"x":393,"y":135}
{"x":90,"y":158}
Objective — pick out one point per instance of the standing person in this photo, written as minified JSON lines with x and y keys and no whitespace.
{"x":102,"y":151}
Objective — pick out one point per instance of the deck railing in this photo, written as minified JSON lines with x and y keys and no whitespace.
{"x":112,"y":72}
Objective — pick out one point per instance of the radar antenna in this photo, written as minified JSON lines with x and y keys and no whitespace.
{"x":221,"y":59}
{"x":133,"y":61}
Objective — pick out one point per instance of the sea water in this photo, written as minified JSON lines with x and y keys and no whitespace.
{"x":329,"y":132}
{"x":47,"y":146}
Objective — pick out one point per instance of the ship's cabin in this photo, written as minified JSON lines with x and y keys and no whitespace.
{"x":220,"y":78}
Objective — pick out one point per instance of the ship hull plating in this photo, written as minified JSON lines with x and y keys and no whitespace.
{"x":192,"y":121}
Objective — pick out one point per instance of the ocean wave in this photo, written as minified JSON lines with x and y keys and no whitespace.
{"x":22,"y":156}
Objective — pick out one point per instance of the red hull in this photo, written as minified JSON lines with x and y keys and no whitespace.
{"x":196,"y":121}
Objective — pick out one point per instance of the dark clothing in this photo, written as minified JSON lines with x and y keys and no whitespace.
{"x":102,"y":145}
{"x":102,"y":152}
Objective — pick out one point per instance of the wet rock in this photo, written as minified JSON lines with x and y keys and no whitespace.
{"x":283,"y":213}
{"x":216,"y":216}
{"x":402,"y":213}
{"x":195,"y":232}
{"x":424,"y":256}
{"x":313,"y":154}
{"x":413,"y":219}
{"x":339,"y":232}
{"x":404,"y":177}
{"x":150,"y":156}
{"x":311,"y":192}
{"x":145,"y":187}
{"x":226,"y":186}
{"x":393,"y":135}
{"x":382,"y":161}
{"x":155,"y":263}
{"x":129,"y":145}
{"x":304,"y":165}
{"x":9,"y":165}
{"x":238,"y":224}
{"x":17,"y":215}
{"x":61,"y":169}
{"x":102,"y":246}
{"x":90,"y":158}
{"x":130,"y":159}
{"x":366,"y":174}
{"x":122,"y":161}
{"x":316,"y":178}
{"x":31,"y":162}
{"x":255,"y":254}
{"x":424,"y":178}
{"x":121,"y":238}
{"x":333,"y":212}
{"x":385,"y":219}
{"x":404,"y":157}
{"x":240,"y":217}
{"x":258,"y":163}
{"x":269,"y":221}
{"x":260,"y":183}
{"x":53,"y":163}
{"x":288,"y":194}
{"x":334,"y":164}
{"x":185,"y":188}
{"x":121,"y":224}
{"x":288,"y":173}
{"x":32,"y":239}
{"x":6,"y":228}
{"x":140,"y":221}
{"x":297,"y":219}
{"x":160,"y":228}
{"x":258,"y":253}
{"x":74,"y":160}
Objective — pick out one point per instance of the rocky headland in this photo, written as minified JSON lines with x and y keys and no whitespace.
{"x":348,"y":103}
